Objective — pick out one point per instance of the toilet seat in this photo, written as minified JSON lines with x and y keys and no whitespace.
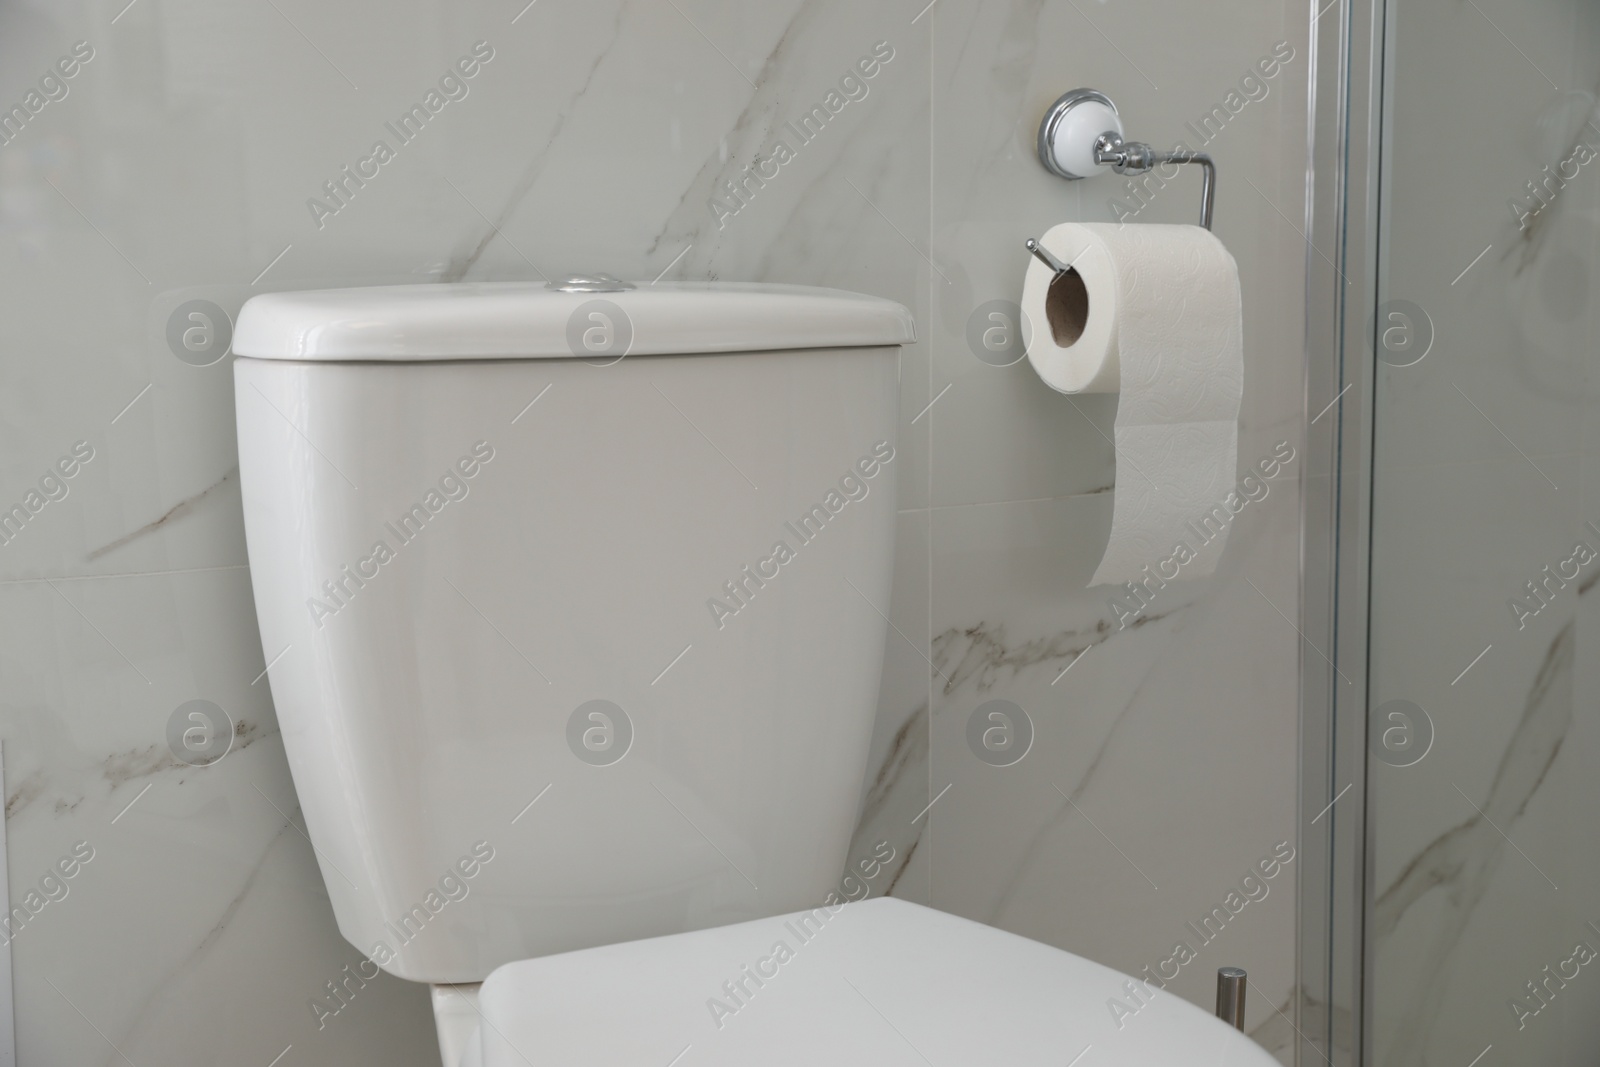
{"x":881,"y":982}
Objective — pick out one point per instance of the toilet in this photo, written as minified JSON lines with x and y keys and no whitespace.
{"x":574,"y":600}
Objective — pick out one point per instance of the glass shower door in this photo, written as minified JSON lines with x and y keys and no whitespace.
{"x":1483,"y":768}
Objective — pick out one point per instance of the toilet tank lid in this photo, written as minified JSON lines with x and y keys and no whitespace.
{"x":525,"y":320}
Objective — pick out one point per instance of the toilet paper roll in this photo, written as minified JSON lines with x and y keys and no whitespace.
{"x":1151,"y":312}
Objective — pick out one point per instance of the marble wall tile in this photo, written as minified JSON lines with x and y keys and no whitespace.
{"x":1167,"y":756}
{"x":1157,"y":774}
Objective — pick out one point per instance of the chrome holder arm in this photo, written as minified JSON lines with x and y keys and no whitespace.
{"x":1136,"y":157}
{"x":1046,"y":258}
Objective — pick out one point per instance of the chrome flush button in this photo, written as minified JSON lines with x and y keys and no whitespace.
{"x":588,"y":283}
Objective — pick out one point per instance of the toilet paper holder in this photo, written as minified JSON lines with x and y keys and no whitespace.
{"x":1082,"y":132}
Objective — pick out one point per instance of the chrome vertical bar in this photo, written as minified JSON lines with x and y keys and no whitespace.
{"x":1230,"y":996}
{"x":8,"y":1019}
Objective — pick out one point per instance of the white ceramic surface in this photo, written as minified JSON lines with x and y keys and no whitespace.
{"x":457,"y":1019}
{"x":883,"y":981}
{"x":1073,"y":143}
{"x":556,"y":533}
{"x":508,"y":320}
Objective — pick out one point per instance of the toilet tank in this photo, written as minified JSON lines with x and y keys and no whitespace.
{"x":574,"y":602}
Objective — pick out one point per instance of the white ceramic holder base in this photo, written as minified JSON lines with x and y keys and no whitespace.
{"x":1070,"y":130}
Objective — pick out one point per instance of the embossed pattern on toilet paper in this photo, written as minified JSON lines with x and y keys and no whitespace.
{"x":1181,"y":350}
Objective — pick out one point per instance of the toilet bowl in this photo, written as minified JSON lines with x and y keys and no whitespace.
{"x":574,"y":603}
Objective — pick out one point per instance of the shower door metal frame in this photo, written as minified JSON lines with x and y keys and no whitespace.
{"x":1344,"y":176}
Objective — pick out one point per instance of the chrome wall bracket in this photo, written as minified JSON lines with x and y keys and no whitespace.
{"x":1082,"y":132}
